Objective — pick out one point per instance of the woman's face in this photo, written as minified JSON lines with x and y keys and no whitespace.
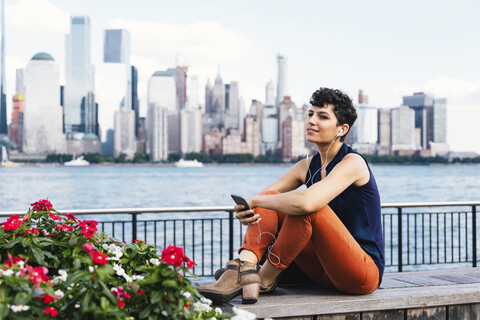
{"x":321,"y":124}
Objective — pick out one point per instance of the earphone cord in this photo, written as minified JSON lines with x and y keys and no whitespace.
{"x":324,"y":165}
{"x":270,"y":253}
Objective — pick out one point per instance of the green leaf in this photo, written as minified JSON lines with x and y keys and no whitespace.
{"x":50,"y":255}
{"x":85,"y":301}
{"x":145,"y":312}
{"x":104,"y":304}
{"x":22,"y":298}
{"x":107,"y":292}
{"x":169,"y":283}
{"x":4,"y":309}
{"x":26,"y":242}
{"x":166,"y":272}
{"x":156,"y":296}
{"x":76,"y":277}
{"x":73,"y":240}
{"x":38,"y":255}
{"x":10,"y":244}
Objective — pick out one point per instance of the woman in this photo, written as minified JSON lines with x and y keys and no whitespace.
{"x":331,"y":230}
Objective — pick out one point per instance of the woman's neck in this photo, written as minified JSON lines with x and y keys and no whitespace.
{"x":328,"y":152}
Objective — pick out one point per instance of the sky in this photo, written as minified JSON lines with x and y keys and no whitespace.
{"x":388,"y":49}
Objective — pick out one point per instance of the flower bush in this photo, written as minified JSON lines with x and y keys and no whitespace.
{"x":57,"y":266}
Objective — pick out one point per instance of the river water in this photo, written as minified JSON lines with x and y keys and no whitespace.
{"x":99,"y":186}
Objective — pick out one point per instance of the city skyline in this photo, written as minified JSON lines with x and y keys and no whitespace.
{"x":415,"y":54}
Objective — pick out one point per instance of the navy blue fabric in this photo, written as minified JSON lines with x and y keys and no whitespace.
{"x":359,"y":208}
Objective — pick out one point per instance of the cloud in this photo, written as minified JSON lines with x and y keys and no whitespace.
{"x":204,"y":42}
{"x":38,"y":15}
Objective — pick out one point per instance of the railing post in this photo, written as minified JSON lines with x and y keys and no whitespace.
{"x":134,"y":227}
{"x":400,"y":258}
{"x":474,"y":235}
{"x":230,"y":231}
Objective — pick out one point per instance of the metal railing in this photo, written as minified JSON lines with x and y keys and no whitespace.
{"x":415,"y":238}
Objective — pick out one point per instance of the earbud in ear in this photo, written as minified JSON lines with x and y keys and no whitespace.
{"x":341,"y":131}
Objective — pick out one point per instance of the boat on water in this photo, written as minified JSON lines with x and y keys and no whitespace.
{"x":5,"y":162}
{"x":78,"y":162}
{"x":188,"y":163}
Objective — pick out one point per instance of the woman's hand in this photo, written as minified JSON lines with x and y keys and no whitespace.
{"x":242,"y":215}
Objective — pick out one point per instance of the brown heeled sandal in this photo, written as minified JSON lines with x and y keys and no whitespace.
{"x":268,"y":289}
{"x":238,"y":277}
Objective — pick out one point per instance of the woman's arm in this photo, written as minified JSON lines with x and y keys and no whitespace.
{"x":292,"y":179}
{"x":351,"y":170}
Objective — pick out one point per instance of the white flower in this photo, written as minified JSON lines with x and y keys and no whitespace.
{"x":155,"y":262}
{"x":120,"y":271}
{"x":18,"y":308}
{"x":218,"y":310}
{"x":205,"y":300}
{"x":105,"y":246}
{"x":90,"y":268}
{"x":61,"y":278}
{"x":186,"y":294}
{"x":8,"y":273}
{"x":242,"y":314}
{"x":21,"y":263}
{"x":59,"y":294}
{"x":127,"y":277}
{"x":77,"y":305}
{"x":164,"y":313}
{"x":135,"y":277}
{"x":201,"y":307}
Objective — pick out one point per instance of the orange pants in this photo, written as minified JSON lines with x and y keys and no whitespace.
{"x":320,"y":245}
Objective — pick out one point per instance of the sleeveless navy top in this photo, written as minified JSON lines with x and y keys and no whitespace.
{"x":358,"y":208}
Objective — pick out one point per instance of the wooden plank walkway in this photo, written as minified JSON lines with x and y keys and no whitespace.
{"x":437,"y":294}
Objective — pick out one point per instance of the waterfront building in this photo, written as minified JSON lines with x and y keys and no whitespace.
{"x":180,"y":75}
{"x":281,"y":79}
{"x":362,"y":98}
{"x":293,"y":138}
{"x":124,"y":137}
{"x":366,"y":129}
{"x":422,"y":104}
{"x":162,"y":120}
{"x":231,"y":105}
{"x":135,"y":101}
{"x":249,"y":142}
{"x":384,"y":131}
{"x":43,"y":115}
{"x":269,"y":134}
{"x":193,"y":99}
{"x":269,"y":93}
{"x":20,"y":81}
{"x":80,"y":114}
{"x":286,"y":108}
{"x":217,"y":108}
{"x":15,"y":131}
{"x":439,"y":119}
{"x":208,"y":97}
{"x":191,"y":130}
{"x":142,"y":136}
{"x":403,"y":130}
{"x":256,"y":109}
{"x":212,"y":143}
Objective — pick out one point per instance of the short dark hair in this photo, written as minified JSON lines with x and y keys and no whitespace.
{"x":343,"y":105}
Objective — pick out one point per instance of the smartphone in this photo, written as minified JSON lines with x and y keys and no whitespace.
{"x":242,"y":201}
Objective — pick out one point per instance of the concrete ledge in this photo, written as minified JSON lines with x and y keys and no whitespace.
{"x":407,"y":295}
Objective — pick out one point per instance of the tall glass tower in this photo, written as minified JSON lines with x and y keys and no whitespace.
{"x":79,"y":109}
{"x":282,"y":78}
{"x":3,"y":97}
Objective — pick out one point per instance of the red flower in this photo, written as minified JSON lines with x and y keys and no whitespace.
{"x":89,"y":227}
{"x":42,"y":205}
{"x":190,"y":263}
{"x":88,"y":247}
{"x":54,"y":216}
{"x":53,"y":312}
{"x":137,"y":241}
{"x":99,"y":258}
{"x":37,"y":274}
{"x":63,"y":227}
{"x":173,"y":255}
{"x":70,"y":216}
{"x":48,"y":298}
{"x":121,"y":304}
{"x":31,"y":230}
{"x":139,"y":292}
{"x":187,"y":305}
{"x":12,"y":223}
{"x":12,"y":260}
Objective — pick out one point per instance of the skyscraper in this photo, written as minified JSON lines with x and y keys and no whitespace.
{"x":231,"y":105}
{"x":3,"y":97}
{"x":43,"y":125}
{"x":282,"y":79}
{"x":135,"y":101}
{"x":269,"y":93}
{"x":403,"y":129}
{"x":193,"y":101}
{"x":366,"y":125}
{"x":117,"y":50}
{"x":162,"y":102}
{"x":384,"y":131}
{"x":191,"y":130}
{"x":80,"y":112}
{"x":423,"y":105}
